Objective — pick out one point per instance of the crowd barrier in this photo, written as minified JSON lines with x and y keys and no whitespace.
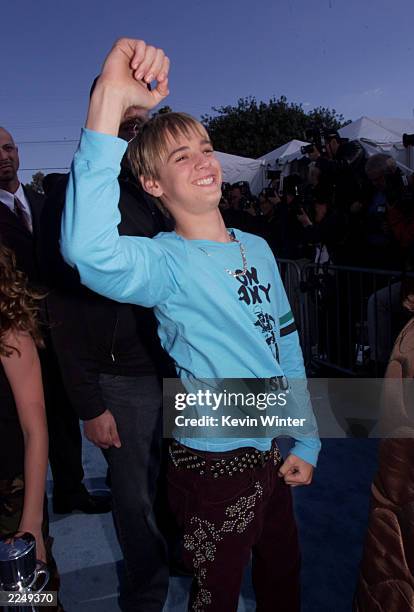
{"x":348,"y":318}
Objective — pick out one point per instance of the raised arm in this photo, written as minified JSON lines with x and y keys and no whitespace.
{"x":126,"y":269}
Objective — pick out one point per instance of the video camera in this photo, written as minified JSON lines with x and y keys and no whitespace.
{"x":408,"y":140}
{"x":299,"y":204}
{"x":293,"y":186}
{"x":316,"y":136}
{"x":319,"y":136}
{"x":247,"y":200}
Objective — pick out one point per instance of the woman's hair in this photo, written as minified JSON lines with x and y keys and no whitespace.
{"x":18,"y":303}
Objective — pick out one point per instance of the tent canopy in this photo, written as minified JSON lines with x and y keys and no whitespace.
{"x":383,"y":135}
{"x":378,"y":130}
{"x":236,"y":168}
{"x":375,"y":134}
{"x":284,"y":154}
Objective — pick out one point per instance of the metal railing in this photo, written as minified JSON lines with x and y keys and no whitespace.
{"x":347,"y":317}
{"x":291,"y":274}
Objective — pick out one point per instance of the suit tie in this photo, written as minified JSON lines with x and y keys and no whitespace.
{"x":21,"y":214}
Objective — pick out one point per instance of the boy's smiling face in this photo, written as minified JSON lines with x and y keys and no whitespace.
{"x":189,"y":179}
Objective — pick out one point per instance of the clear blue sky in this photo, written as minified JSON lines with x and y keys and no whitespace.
{"x":354,"y":56}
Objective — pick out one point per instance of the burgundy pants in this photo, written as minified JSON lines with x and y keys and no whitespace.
{"x":226,"y":520}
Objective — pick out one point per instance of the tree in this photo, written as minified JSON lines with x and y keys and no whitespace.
{"x":37,"y":182}
{"x":254,"y":128}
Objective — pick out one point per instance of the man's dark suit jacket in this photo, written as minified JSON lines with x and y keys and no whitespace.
{"x":17,"y":238}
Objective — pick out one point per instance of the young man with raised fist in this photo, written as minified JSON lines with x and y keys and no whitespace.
{"x":222,"y":313}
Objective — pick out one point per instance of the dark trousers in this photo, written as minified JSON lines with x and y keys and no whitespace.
{"x":224,"y":521}
{"x":65,"y":440}
{"x":135,"y":403}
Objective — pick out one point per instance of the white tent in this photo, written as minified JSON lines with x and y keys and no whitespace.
{"x":282,"y":157}
{"x":376,"y":135}
{"x":284,"y":154}
{"x":383,"y":135}
{"x":236,"y":168}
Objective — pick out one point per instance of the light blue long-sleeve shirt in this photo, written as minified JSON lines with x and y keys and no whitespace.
{"x":212,"y":324}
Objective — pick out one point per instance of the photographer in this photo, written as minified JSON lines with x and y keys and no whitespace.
{"x":289,"y":237}
{"x":341,"y":164}
{"x":239,"y":208}
{"x":241,"y":198}
{"x":385,"y":210}
{"x":269,"y":202}
{"x":400,"y":210}
{"x":324,"y":227}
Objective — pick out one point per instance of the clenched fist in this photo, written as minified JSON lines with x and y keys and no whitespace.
{"x":296,"y":471}
{"x":128,"y":68}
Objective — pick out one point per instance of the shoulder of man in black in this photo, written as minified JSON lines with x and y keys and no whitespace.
{"x":19,"y":239}
{"x":96,"y":327}
{"x":54,"y":271}
{"x":140,"y":214}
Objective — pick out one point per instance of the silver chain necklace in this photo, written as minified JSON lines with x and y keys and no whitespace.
{"x":243,"y":256}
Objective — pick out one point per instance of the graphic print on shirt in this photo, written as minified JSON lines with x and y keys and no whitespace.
{"x":252,"y":291}
{"x":256,"y":295}
{"x":266,"y":323}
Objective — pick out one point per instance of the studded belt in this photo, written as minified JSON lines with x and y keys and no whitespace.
{"x":247,"y":459}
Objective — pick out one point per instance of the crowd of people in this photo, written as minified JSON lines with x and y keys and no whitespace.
{"x":350,"y":210}
{"x":90,"y":299}
{"x":341,"y":206}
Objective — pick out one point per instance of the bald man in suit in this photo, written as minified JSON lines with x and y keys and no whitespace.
{"x":20,"y":209}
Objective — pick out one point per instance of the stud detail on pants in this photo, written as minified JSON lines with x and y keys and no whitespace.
{"x":203,"y":540}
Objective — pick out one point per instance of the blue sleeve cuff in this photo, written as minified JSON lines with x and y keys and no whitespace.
{"x":102,"y":150}
{"x":308,"y":450}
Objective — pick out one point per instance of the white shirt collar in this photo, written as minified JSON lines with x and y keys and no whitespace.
{"x":8,"y":199}
{"x":21,"y":195}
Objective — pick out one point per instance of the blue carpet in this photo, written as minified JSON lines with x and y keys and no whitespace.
{"x":332,"y":516}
